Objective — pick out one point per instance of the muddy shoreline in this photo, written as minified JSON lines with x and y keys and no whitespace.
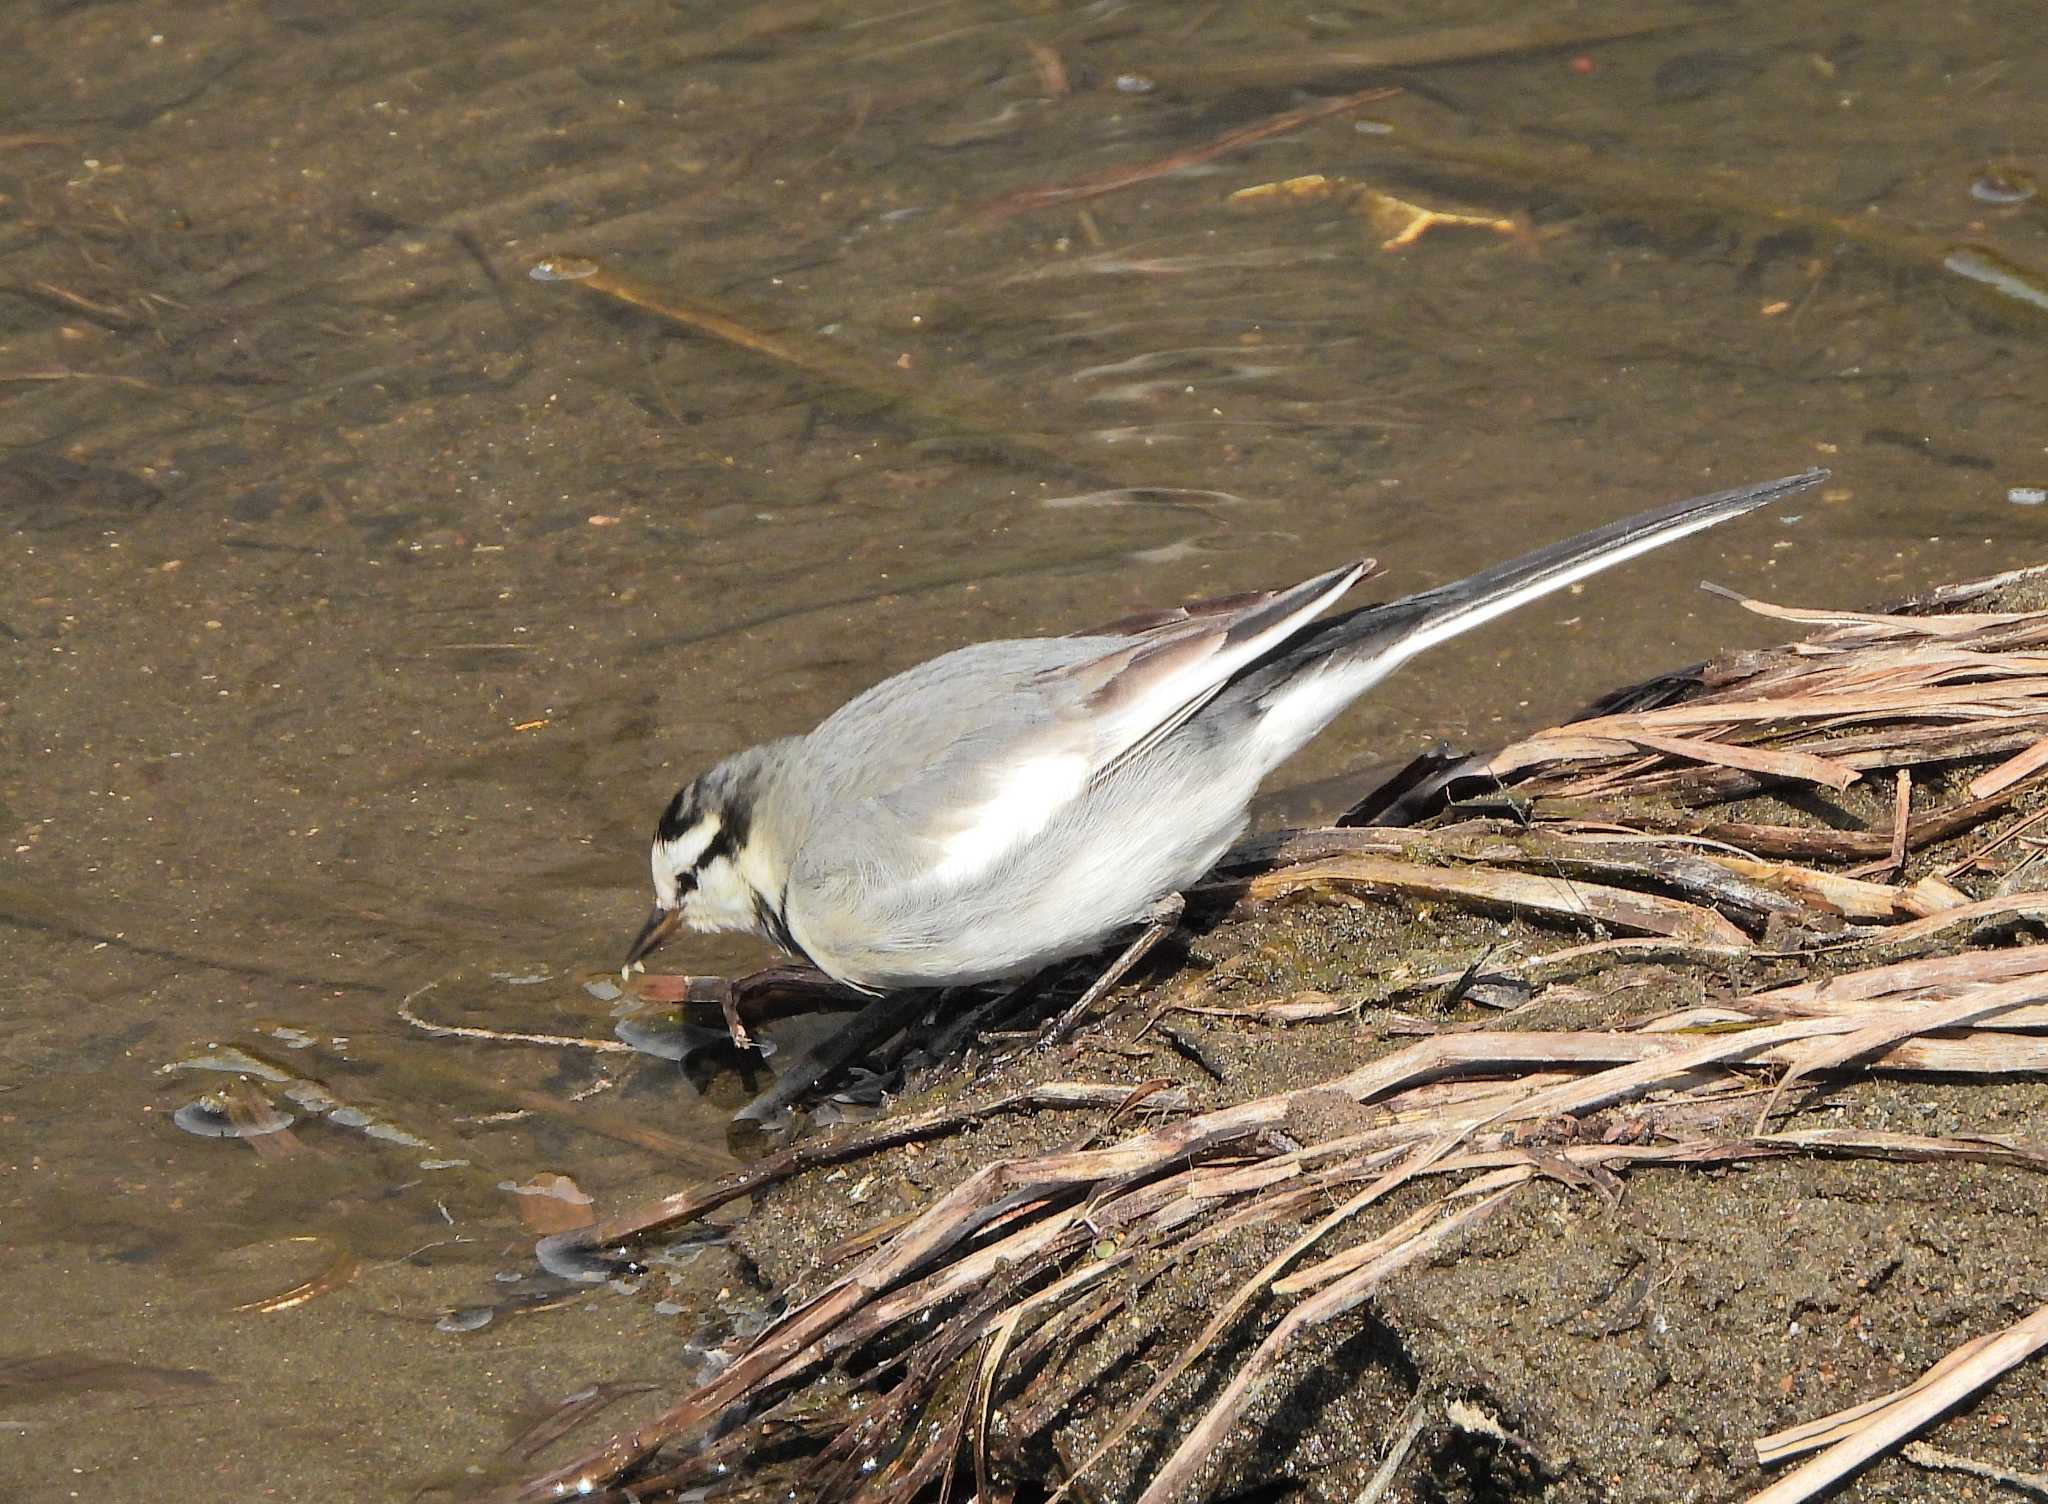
{"x":1603,"y":1336}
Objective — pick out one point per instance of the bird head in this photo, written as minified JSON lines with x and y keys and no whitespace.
{"x":699,"y":859}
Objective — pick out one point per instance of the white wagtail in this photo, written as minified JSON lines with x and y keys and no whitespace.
{"x":1013,"y":804}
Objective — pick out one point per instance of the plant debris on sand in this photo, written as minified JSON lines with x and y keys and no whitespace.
{"x":1659,"y":1082}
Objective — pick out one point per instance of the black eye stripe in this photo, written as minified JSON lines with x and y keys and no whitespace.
{"x":681,"y":814}
{"x":718,"y":846}
{"x":725,"y":798}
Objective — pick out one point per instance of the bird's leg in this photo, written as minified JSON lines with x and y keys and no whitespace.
{"x":728,"y":1004}
{"x":874,"y":1023}
{"x":1160,"y":921}
{"x":969,"y":1022}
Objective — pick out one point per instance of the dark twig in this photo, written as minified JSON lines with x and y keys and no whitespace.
{"x":810,"y":1154}
{"x":1164,"y":920}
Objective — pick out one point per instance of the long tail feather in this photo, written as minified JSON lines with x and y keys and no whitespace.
{"x":1324,"y":669}
{"x":1450,"y":609}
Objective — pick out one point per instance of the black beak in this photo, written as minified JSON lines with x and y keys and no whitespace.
{"x":660,"y":925}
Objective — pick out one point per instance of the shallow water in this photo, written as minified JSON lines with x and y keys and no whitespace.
{"x":365,"y":597}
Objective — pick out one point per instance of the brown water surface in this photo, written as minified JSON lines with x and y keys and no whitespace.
{"x":364,"y":598}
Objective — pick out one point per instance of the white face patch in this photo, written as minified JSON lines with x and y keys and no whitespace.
{"x":1024,"y":803}
{"x":722,"y":899}
{"x":679,"y":856}
{"x":714,"y":895}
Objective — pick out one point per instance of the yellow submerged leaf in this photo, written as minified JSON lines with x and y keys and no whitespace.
{"x":1404,"y":223}
{"x":1401,"y":222}
{"x":1307,"y":189}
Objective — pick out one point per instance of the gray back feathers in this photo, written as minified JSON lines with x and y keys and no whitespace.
{"x":1011,"y":803}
